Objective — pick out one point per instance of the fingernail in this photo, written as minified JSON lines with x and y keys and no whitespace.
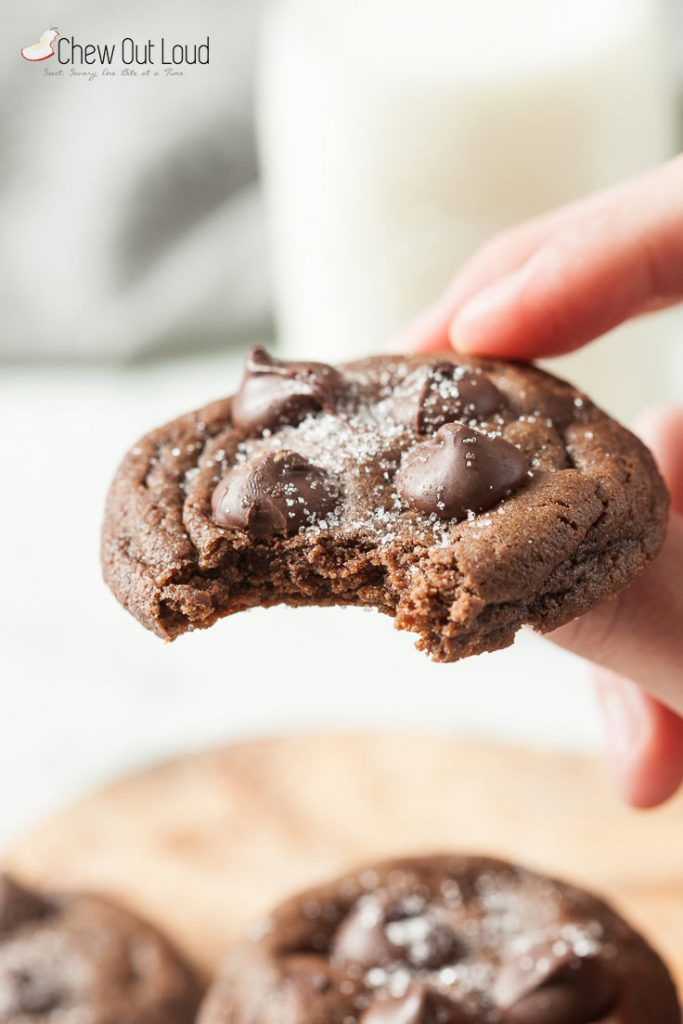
{"x":405,"y":340}
{"x":477,"y":321}
{"x":424,"y":333}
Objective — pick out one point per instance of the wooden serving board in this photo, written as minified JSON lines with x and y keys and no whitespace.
{"x":202,"y":844}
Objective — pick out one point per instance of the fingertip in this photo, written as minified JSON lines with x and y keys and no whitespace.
{"x":481,"y":325}
{"x":656,"y":421}
{"x":426,"y":333}
{"x":644,"y":742}
{"x":644,"y":793}
{"x":458,"y":343}
{"x":501,"y":321}
{"x":467,"y":343}
{"x":661,"y":428}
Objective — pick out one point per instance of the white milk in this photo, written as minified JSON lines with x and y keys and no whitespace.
{"x":397,"y":135}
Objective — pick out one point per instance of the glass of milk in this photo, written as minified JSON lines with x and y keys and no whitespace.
{"x":398,"y":135}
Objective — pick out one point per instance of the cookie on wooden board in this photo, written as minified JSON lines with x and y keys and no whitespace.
{"x":443,"y":940}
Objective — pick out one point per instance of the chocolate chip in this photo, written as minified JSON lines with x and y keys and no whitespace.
{"x":442,"y":394}
{"x":450,"y":393}
{"x":379,"y":931}
{"x":550,"y":987}
{"x":420,"y":1005}
{"x":274,"y":493}
{"x":18,"y":904}
{"x":460,"y":470}
{"x":274,"y":393}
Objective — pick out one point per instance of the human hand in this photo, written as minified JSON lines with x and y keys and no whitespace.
{"x":549,"y":287}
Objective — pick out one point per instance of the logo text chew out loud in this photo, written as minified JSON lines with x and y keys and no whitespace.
{"x":129,"y":51}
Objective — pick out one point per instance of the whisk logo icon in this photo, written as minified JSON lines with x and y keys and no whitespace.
{"x":43,"y":48}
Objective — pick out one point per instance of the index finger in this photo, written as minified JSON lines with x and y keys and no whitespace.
{"x":559,"y":280}
{"x":617,"y":263}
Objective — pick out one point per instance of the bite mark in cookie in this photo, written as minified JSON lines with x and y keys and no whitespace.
{"x":465,"y":498}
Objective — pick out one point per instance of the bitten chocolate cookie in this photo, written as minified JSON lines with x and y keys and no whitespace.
{"x":443,"y":940}
{"x":78,"y":959}
{"x":464,"y":498}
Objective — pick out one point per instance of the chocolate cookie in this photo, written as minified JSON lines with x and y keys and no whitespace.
{"x":78,"y":959}
{"x":464,"y":498}
{"x":443,"y":940}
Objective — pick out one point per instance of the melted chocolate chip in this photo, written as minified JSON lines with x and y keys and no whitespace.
{"x":275,"y":493}
{"x":555,"y":989}
{"x":274,"y":393}
{"x":420,"y":1005}
{"x":460,"y":470}
{"x":18,"y":904}
{"x":378,"y":932}
{"x":449,"y":394}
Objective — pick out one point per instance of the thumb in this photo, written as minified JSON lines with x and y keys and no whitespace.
{"x":638,"y":635}
{"x":644,"y":741}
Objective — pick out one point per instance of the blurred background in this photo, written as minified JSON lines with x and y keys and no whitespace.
{"x":312,"y":187}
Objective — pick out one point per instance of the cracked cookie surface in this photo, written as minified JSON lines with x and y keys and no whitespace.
{"x":442,"y":940}
{"x":465,"y":498}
